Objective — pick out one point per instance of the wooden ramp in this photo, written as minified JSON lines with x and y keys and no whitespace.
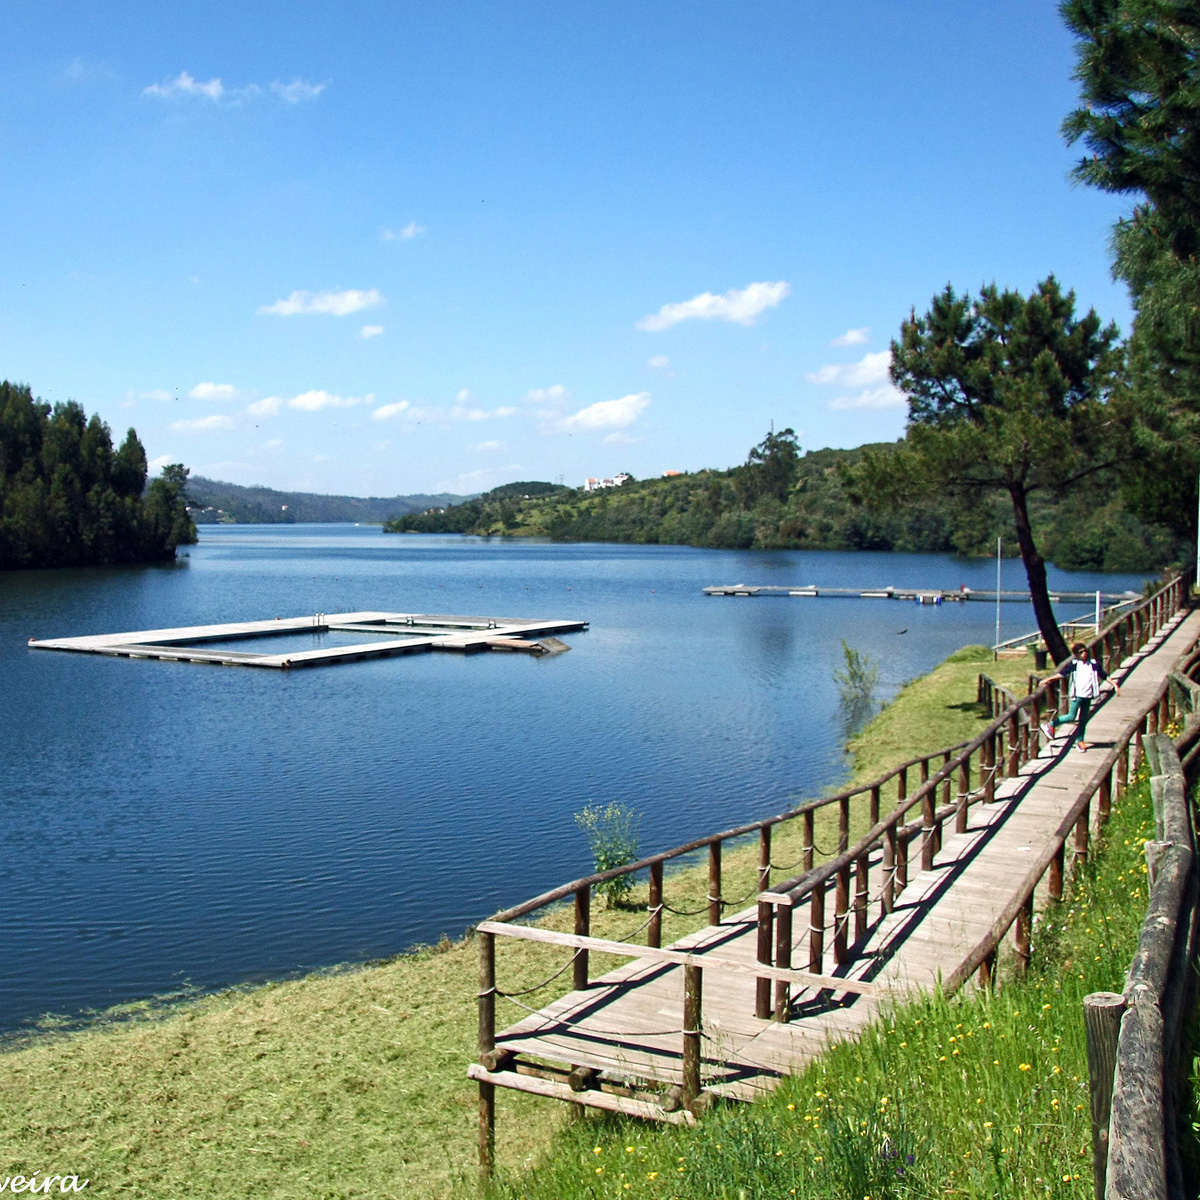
{"x":621,"y":1042}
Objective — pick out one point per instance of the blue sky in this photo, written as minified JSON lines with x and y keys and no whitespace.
{"x":377,"y":248}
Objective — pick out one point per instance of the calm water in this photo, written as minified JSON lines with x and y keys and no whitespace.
{"x":173,"y":823}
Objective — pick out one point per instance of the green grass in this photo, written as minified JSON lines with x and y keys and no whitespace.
{"x":979,"y":1096}
{"x":350,"y":1083}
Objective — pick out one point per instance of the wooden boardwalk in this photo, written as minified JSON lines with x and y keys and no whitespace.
{"x":391,"y":633}
{"x":628,"y":1027}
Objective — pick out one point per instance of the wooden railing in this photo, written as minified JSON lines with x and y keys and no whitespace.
{"x":1138,"y":1074}
{"x":946,"y":781}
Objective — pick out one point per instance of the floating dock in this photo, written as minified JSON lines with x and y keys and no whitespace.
{"x":920,"y":595}
{"x":391,"y":634}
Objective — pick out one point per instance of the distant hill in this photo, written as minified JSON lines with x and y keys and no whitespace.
{"x":212,"y":501}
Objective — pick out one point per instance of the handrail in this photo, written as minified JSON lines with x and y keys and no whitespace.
{"x":1008,"y":741}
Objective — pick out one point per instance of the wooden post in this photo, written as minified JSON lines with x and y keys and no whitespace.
{"x":783,"y":958}
{"x":889,"y":869}
{"x":987,"y":768}
{"x":762,"y":987}
{"x":808,"y":840}
{"x":927,"y":847}
{"x":946,"y":781}
{"x":816,"y":930}
{"x":902,"y":785}
{"x":841,"y":907}
{"x":1104,"y":799}
{"x":1057,"y":870}
{"x":654,"y":936}
{"x":875,"y":805}
{"x":583,"y":928}
{"x":1081,"y":832}
{"x":924,"y":770}
{"x":963,"y":799}
{"x":862,"y":868}
{"x":693,"y":983}
{"x":1014,"y":746}
{"x":1102,"y":1013}
{"x":714,"y":883}
{"x":487,"y":1043}
{"x":1123,"y":770}
{"x":1024,"y":935}
{"x":843,"y":824}
{"x":987,"y":972}
{"x":901,"y":860}
{"x":764,"y":858}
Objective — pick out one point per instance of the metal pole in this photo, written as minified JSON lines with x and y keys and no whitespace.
{"x":999,"y":552}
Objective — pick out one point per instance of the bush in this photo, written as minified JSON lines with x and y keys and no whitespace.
{"x":613,"y":833}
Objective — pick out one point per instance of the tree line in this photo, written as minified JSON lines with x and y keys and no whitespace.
{"x":68,"y":499}
{"x":780,"y":498}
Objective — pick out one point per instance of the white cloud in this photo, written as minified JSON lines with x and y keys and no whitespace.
{"x":487,"y":447}
{"x":370,"y":331}
{"x":410,"y":231}
{"x":156,"y":394}
{"x":555,"y":394}
{"x":156,"y":464}
{"x":273,"y":446}
{"x":870,"y":370}
{"x":660,"y":362}
{"x":314,"y":401}
{"x":297,"y":90}
{"x":390,"y":410}
{"x":853,"y":337}
{"x":506,"y":411}
{"x":185,"y":84}
{"x":270,"y":407}
{"x":217,"y":423}
{"x":621,"y":439}
{"x":462,"y":396}
{"x":336,"y":304}
{"x":881,"y":397}
{"x":214,"y":391}
{"x":607,"y":414}
{"x":741,"y":306}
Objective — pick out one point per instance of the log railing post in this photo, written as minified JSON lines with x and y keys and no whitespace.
{"x":1024,"y":935}
{"x":1123,"y":770}
{"x":962,"y":800}
{"x":902,"y":785}
{"x":987,"y":972}
{"x":987,"y":762}
{"x":889,"y":869}
{"x":841,"y":907}
{"x":762,"y":987}
{"x":946,"y":784}
{"x":693,"y":982}
{"x":901,"y":859}
{"x":583,"y":928}
{"x":874,"y":811}
{"x":764,"y":858}
{"x":1082,"y":831}
{"x":1014,"y":746}
{"x":843,"y":824}
{"x":487,"y":1043}
{"x":1057,"y":871}
{"x":808,"y":840}
{"x":654,"y":934}
{"x":862,"y":870}
{"x":816,"y":930}
{"x":1104,"y":799}
{"x":928,"y":836}
{"x":1102,"y":1012}
{"x":783,"y":958}
{"x":714,"y":883}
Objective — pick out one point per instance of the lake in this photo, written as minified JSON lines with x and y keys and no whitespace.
{"x":171,"y":824}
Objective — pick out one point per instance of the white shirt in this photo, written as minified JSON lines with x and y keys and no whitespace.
{"x":1085,"y":680}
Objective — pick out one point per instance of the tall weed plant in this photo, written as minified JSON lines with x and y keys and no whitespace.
{"x":613,"y":832}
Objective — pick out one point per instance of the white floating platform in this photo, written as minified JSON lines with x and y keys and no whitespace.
{"x":401,"y":633}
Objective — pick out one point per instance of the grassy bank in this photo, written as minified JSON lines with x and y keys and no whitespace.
{"x":980,"y":1097}
{"x":345,"y":1084}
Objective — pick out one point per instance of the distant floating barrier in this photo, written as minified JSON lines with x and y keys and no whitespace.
{"x":919,"y":595}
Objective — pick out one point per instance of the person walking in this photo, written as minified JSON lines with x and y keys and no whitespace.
{"x":1085,"y":679}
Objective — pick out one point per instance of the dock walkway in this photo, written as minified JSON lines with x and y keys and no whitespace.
{"x":620,"y":1042}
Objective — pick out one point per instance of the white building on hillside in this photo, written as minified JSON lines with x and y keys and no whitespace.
{"x":594,"y":485}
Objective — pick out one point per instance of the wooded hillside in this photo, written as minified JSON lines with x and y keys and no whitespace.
{"x":782,"y":499}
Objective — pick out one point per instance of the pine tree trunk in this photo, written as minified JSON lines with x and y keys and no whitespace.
{"x":1035,"y":572}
